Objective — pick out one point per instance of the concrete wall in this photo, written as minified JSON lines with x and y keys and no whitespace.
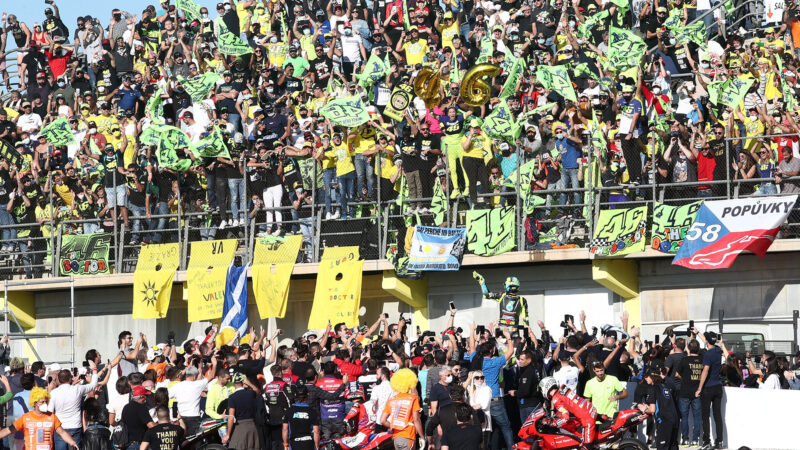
{"x":755,"y":287}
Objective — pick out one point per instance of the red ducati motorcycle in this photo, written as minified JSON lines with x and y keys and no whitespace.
{"x":609,"y":433}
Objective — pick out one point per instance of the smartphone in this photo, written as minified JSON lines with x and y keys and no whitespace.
{"x":480,"y":329}
{"x":568,"y":318}
{"x":418,"y":331}
{"x":386,"y":348}
{"x":566,"y":332}
{"x":452,"y":306}
{"x":385,"y":315}
{"x":691,"y":326}
{"x":498,"y":332}
{"x":658,"y":338}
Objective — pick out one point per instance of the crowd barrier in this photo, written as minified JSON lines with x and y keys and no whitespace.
{"x":375,"y":228}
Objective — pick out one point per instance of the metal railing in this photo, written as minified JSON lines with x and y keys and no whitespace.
{"x":373,"y":233}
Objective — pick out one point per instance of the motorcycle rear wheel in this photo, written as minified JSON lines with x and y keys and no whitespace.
{"x":213,"y":447}
{"x":631,"y":444}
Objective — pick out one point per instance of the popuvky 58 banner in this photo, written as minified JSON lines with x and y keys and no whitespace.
{"x":725,"y":228}
{"x":434,"y":248}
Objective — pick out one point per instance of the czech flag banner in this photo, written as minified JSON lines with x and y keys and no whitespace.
{"x":723,"y":229}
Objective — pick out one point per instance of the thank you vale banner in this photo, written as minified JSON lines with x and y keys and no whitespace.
{"x":206,"y":277}
{"x":84,"y":254}
{"x":437,"y":249}
{"x":725,"y":228}
{"x":619,"y":232}
{"x":337,"y":296}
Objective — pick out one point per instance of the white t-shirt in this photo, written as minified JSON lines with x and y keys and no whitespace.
{"x":187,"y":394}
{"x":66,"y":400}
{"x":116,"y":404}
{"x":567,"y":375}
{"x":351,"y":48}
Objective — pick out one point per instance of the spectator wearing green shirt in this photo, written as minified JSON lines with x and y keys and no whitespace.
{"x":299,"y":64}
{"x":604,"y":391}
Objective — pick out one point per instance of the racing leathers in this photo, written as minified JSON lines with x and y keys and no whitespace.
{"x":566,"y":404}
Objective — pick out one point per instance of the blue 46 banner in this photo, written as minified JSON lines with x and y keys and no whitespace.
{"x":437,"y":249}
{"x":723,"y":229}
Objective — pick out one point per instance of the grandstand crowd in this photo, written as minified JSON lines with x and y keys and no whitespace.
{"x":655,"y":122}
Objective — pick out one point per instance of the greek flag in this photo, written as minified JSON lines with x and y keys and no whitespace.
{"x":234,"y":312}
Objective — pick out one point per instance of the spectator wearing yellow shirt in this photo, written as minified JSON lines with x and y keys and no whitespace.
{"x":345,"y":171}
{"x":474,"y":144}
{"x":362,"y":139}
{"x":414,"y":47}
{"x":449,"y":29}
{"x":105,"y":120}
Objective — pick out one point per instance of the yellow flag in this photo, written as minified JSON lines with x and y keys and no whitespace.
{"x":273,"y":264}
{"x":152,"y":280}
{"x":337,"y":296}
{"x":341,"y":253}
{"x":206,"y":276}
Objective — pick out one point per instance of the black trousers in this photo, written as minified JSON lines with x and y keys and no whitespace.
{"x":711,"y":397}
{"x":632,"y":150}
{"x":667,"y":435}
{"x":476,"y":172}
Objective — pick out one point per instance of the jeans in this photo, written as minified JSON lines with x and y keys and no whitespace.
{"x":10,"y":233}
{"x":305,"y":228}
{"x":162,"y":209}
{"x":497,"y":409}
{"x":236,"y":120}
{"x":712,"y":396}
{"x":76,"y":434}
{"x":91,"y":228}
{"x":685,"y":404}
{"x":705,"y":193}
{"x":211,"y":182}
{"x":138,"y":212}
{"x":348,"y":186}
{"x":364,"y":171}
{"x":525,"y":411}
{"x":329,"y":178}
{"x":569,"y":179}
{"x":238,"y":199}
{"x":766,"y":189}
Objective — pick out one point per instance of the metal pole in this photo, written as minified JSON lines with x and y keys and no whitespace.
{"x":727,"y":168}
{"x":72,"y":314}
{"x":5,"y":307}
{"x":250,"y":249}
{"x":377,"y":168}
{"x":178,"y":224}
{"x":52,"y":227}
{"x":115,"y":214}
{"x":518,"y":204}
{"x":795,"y":315}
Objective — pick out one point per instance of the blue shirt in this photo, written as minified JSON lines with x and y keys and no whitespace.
{"x":713,"y":359}
{"x":569,"y":153}
{"x":128,"y":98}
{"x":491,"y":371}
{"x":508,"y":164}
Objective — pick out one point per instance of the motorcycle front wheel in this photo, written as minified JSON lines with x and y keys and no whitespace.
{"x":630,"y":444}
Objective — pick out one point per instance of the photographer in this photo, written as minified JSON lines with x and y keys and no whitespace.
{"x":302,"y":203}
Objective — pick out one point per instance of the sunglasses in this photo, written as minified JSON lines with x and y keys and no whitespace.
{"x":479,"y":378}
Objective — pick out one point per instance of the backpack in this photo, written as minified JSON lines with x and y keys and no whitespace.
{"x":119,"y":435}
{"x":532,"y":227}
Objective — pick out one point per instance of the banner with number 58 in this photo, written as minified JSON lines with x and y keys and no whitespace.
{"x":723,"y":229}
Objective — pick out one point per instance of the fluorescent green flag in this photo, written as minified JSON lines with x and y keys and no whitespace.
{"x":230,"y":44}
{"x":211,"y":146}
{"x":190,"y":9}
{"x":513,"y":77}
{"x":499,"y":124}
{"x":625,"y":49}
{"x":155,"y":107}
{"x":347,"y":112}
{"x":375,"y":69}
{"x":59,"y":133}
{"x":198,"y":87}
{"x":556,"y":78}
{"x":729,"y":92}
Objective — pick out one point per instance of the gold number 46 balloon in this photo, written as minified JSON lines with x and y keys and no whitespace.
{"x":474,"y":91}
{"x":426,"y":86}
